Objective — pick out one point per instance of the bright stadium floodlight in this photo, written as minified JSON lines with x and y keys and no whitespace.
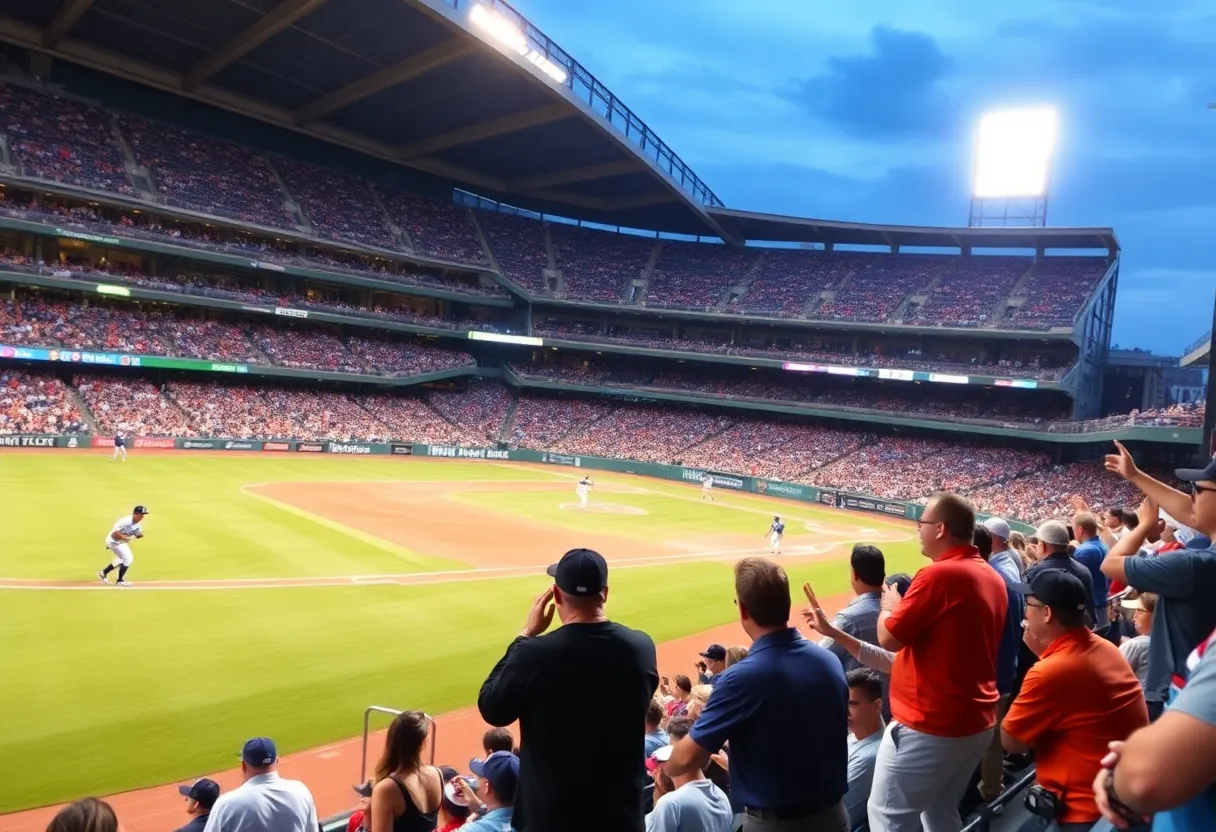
{"x":1013,"y":159}
{"x":499,"y":28}
{"x":509,"y":35}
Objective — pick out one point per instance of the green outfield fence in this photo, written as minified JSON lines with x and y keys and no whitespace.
{"x":832,"y":497}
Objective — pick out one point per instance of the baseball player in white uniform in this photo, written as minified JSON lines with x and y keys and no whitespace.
{"x":583,"y":489}
{"x":707,"y":488}
{"x":776,"y":530}
{"x":118,"y":543}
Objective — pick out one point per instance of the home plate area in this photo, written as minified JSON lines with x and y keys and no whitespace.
{"x":604,"y":508}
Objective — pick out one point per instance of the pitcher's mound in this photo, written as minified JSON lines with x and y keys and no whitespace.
{"x":605,"y":508}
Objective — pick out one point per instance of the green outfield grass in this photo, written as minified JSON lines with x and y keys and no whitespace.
{"x":138,"y":688}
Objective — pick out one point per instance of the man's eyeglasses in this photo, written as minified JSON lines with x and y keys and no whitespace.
{"x":1196,"y":488}
{"x":927,"y":522}
{"x":1035,"y":604}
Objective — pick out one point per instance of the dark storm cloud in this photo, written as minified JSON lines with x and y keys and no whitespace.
{"x":893,"y":90}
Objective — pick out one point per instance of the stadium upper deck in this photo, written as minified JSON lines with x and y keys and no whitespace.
{"x":371,"y":126}
{"x":462,"y":93}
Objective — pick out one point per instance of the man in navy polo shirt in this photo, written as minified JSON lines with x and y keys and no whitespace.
{"x":785,"y":711}
{"x":200,"y":797}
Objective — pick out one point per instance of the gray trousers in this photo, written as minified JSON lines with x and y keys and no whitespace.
{"x":919,"y":783}
{"x":834,"y":819}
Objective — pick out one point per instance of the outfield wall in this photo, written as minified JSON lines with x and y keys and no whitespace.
{"x":833,"y":497}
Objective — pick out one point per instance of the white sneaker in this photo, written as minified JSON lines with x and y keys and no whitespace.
{"x":102,"y":575}
{"x":123,"y":583}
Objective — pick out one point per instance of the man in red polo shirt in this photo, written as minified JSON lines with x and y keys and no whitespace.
{"x":945,"y":633}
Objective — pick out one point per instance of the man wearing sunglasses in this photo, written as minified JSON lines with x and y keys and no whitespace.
{"x":1184,"y":581}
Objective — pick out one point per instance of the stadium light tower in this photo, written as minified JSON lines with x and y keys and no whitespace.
{"x":1013,"y":156}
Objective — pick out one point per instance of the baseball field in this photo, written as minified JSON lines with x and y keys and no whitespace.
{"x":280,"y":596}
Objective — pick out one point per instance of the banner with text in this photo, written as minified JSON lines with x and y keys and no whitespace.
{"x":793,"y":491}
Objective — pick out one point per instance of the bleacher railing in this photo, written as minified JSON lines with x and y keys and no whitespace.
{"x":587,"y":87}
{"x":380,"y":709}
{"x":985,"y":815}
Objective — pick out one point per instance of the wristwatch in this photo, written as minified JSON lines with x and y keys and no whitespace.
{"x":1118,"y":806}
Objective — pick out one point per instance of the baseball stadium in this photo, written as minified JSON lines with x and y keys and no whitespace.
{"x":378,"y":327}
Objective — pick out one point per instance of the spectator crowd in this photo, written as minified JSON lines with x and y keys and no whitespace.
{"x":173,"y":331}
{"x":1013,"y":482}
{"x":65,"y":139}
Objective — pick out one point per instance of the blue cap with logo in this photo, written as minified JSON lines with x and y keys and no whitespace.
{"x":259,"y":752}
{"x":205,"y":791}
{"x":501,"y":770}
{"x":582,"y":573}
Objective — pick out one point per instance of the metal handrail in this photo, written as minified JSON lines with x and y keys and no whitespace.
{"x":605,"y":104}
{"x":380,"y":709}
{"x":986,"y":813}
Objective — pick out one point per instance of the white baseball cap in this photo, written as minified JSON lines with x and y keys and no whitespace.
{"x":997,"y":527}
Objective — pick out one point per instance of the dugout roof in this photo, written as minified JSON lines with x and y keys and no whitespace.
{"x":423,"y":84}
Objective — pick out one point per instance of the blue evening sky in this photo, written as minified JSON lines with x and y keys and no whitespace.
{"x":865,"y":109}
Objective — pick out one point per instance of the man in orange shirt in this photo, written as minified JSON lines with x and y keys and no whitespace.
{"x":945,"y":634}
{"x":1080,"y":696}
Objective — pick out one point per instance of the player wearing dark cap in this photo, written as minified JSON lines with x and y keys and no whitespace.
{"x":117,"y":543}
{"x":589,"y":667}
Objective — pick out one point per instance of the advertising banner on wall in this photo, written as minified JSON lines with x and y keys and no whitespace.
{"x":352,"y":448}
{"x":276,"y":446}
{"x":776,"y":488}
{"x":199,"y":444}
{"x":888,"y":507}
{"x":561,"y":459}
{"x":22,"y":441}
{"x":466,"y":453}
{"x":720,"y":480}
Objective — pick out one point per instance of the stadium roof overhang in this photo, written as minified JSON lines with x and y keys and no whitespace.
{"x":1198,"y":354}
{"x":410,"y":81}
{"x":414,"y":82}
{"x":772,"y":227}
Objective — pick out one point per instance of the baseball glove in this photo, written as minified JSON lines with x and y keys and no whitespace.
{"x":139,"y":534}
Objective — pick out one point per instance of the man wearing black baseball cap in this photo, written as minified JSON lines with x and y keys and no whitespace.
{"x":200,"y":797}
{"x":589,"y":668}
{"x":715,"y":663}
{"x":1080,"y":696}
{"x":1184,"y":580}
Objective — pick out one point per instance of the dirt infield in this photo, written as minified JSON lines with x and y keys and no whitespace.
{"x":331,"y":770}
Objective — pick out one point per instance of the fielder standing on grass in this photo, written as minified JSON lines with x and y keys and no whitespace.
{"x":118,"y":543}
{"x":707,"y":487}
{"x":120,"y":448}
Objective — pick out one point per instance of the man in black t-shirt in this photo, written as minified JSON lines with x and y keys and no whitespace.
{"x":589,"y":668}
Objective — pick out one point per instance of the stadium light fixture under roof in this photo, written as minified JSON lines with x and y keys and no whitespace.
{"x":1013,"y":157}
{"x":508,"y":34}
